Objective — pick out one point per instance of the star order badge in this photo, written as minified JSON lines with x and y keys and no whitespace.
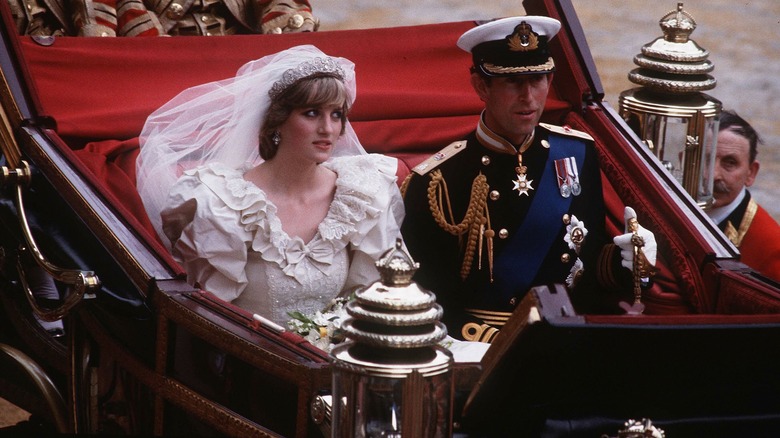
{"x":522,"y":185}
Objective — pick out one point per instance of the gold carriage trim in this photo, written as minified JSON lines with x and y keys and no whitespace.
{"x":496,"y":69}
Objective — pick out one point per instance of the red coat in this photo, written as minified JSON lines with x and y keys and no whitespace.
{"x":760,"y":245}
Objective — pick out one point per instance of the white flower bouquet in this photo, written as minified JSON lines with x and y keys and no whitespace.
{"x":323,"y":328}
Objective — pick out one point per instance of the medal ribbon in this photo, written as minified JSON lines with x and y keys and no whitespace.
{"x":518,"y":264}
{"x":575,"y":175}
{"x":563,"y":174}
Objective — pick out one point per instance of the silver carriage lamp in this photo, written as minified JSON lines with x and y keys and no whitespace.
{"x":669,"y":112}
{"x":391,"y":379}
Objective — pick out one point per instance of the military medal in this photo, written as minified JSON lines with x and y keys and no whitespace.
{"x":576,"y":189}
{"x":522,"y":184}
{"x":563,"y":179}
{"x":565,"y":190}
{"x":568,"y":177}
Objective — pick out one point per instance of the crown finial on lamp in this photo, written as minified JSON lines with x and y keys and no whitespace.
{"x":677,"y":25}
{"x":396,"y":266}
{"x":674,"y":63}
{"x":669,"y":111}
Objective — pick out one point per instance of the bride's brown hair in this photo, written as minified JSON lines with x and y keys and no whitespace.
{"x":313,"y":91}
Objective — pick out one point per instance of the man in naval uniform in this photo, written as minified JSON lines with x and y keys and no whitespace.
{"x":516,"y":204}
{"x":749,"y":227}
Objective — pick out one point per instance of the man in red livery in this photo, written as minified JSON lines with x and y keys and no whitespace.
{"x":161,"y":17}
{"x":745,"y":223}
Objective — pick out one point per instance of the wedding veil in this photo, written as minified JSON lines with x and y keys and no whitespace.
{"x":220,"y":122}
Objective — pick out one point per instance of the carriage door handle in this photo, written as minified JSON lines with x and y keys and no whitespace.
{"x":81,"y":284}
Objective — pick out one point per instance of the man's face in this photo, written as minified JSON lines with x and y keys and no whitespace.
{"x":513,"y":104}
{"x":733,"y":169}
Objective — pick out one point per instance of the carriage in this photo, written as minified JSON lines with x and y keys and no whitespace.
{"x":700,"y":360}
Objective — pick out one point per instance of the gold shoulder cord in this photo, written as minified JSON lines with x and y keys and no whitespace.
{"x":476,"y":221}
{"x":405,"y":184}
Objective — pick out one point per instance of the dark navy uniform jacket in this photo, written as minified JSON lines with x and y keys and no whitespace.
{"x":440,"y":254}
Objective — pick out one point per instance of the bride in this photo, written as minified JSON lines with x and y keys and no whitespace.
{"x":261,"y":189}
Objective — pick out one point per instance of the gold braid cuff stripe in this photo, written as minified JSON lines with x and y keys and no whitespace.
{"x":478,"y":332}
{"x":492,"y":317}
{"x":547,"y":66}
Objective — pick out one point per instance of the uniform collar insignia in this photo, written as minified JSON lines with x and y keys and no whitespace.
{"x":493,"y":141}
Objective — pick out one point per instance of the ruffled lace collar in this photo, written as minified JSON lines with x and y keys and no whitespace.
{"x":356,"y":187}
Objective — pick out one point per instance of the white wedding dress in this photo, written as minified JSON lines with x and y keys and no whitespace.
{"x":226,"y":234}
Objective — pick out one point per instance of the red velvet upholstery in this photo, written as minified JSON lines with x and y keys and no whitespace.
{"x":421,"y":97}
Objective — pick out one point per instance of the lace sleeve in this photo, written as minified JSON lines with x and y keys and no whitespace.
{"x":206,"y":239}
{"x":377,"y":234}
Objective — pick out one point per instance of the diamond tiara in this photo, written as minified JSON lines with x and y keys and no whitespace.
{"x":305,"y":69}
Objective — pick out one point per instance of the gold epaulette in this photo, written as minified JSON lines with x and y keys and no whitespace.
{"x":439,"y":157}
{"x":565,"y":130}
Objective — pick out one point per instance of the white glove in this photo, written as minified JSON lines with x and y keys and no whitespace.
{"x":649,"y":249}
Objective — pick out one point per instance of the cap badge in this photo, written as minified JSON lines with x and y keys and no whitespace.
{"x":523,"y":38}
